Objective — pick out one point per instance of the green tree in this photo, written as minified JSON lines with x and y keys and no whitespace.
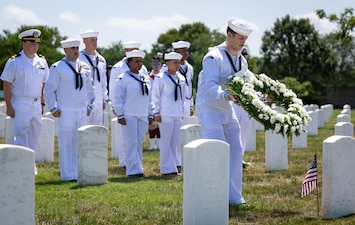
{"x":343,"y":43}
{"x":293,"y":48}
{"x":113,"y":53}
{"x":200,"y":37}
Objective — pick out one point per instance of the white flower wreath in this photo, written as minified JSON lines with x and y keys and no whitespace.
{"x":247,"y":87}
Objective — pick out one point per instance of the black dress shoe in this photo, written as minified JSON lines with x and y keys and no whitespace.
{"x":246,"y":164}
{"x":135,"y":175}
{"x":169,"y":174}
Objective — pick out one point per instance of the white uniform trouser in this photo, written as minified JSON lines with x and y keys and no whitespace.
{"x":27,"y":121}
{"x":135,"y":131}
{"x":228,"y":132}
{"x":121,"y":139}
{"x":68,"y":124}
{"x":96,"y":116}
{"x":243,"y":118}
{"x":169,"y":144}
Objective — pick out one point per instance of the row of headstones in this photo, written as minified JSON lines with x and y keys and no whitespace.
{"x":209,"y":193}
{"x":45,"y":148}
{"x":205,"y":196}
{"x":17,"y":186}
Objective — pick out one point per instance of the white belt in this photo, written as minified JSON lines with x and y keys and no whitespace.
{"x":28,"y":98}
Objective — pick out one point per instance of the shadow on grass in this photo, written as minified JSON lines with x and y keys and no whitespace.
{"x":252,"y":214}
{"x":145,"y":178}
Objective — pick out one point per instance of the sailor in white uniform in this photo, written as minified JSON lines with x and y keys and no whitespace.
{"x":216,"y":115}
{"x":70,"y":96}
{"x":187,"y":71}
{"x":97,"y":64}
{"x":168,"y":98}
{"x":24,"y":77}
{"x":118,"y":69}
{"x":133,"y":108}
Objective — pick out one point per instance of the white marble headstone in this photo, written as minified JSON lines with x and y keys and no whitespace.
{"x":250,"y":145}
{"x":206,"y":182}
{"x":320,"y":118}
{"x":92,"y":155}
{"x":45,"y":147}
{"x":3,"y":107}
{"x":2,"y":124}
{"x":300,"y":141}
{"x":312,"y":127}
{"x":17,"y":185}
{"x":276,"y":151}
{"x":193,"y":120}
{"x":344,"y":129}
{"x":343,"y":118}
{"x":9,"y":130}
{"x":49,"y":115}
{"x":115,"y":145}
{"x":188,"y":133}
{"x":338,"y":178}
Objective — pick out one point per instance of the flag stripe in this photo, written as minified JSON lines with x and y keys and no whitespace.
{"x":311,"y":179}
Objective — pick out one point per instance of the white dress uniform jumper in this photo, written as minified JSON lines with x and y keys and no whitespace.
{"x":117,"y":70}
{"x":70,"y":89}
{"x":133,"y":103}
{"x":168,"y":99}
{"x":97,"y":65}
{"x":216,"y":114}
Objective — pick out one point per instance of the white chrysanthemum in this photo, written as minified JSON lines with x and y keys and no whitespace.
{"x":277,"y":127}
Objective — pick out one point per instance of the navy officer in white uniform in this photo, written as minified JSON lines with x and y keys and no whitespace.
{"x":133,"y":107}
{"x":70,"y":96}
{"x":24,"y":78}
{"x":97,"y":65}
{"x":215,"y":110}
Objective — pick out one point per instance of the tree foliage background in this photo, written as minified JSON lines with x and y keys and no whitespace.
{"x":292,"y":51}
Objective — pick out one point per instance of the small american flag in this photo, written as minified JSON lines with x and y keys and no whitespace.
{"x":310,"y":180}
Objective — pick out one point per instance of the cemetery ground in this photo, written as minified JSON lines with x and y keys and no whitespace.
{"x":272,"y":197}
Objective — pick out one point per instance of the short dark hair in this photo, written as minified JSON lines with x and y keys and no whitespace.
{"x":156,"y":57}
{"x":230,"y":30}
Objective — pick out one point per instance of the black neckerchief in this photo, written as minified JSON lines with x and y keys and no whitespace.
{"x":94,"y":67}
{"x":231,"y":61}
{"x":145,"y":89}
{"x":78,"y":78}
{"x":177,"y":85}
{"x":184,"y":73}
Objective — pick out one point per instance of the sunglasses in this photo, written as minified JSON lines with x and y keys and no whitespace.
{"x":156,"y":63}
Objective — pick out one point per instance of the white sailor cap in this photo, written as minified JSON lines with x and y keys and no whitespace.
{"x":69,"y":43}
{"x":135,"y":53}
{"x":181,"y":44}
{"x":89,"y":33}
{"x":172,"y":55}
{"x":131,"y":44}
{"x":239,"y":26}
{"x":30,"y":35}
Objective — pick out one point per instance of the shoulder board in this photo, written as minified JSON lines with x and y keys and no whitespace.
{"x":16,"y":55}
{"x":42,"y":56}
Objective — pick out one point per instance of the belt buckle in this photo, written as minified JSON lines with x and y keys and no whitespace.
{"x":35,"y":99}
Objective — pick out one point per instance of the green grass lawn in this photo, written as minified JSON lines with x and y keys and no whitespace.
{"x":273,"y":197}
